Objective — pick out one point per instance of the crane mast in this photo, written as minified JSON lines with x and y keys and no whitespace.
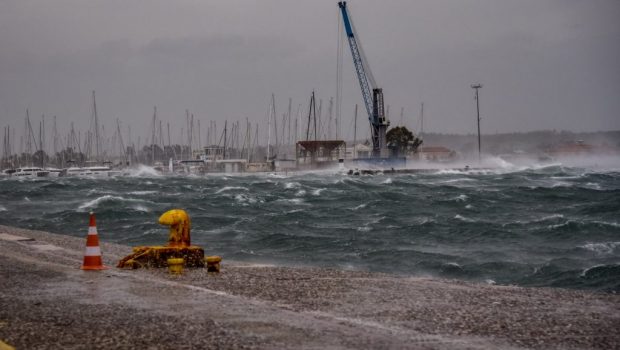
{"x":372,"y":95}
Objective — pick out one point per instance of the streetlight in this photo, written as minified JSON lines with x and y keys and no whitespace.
{"x":477,"y":86}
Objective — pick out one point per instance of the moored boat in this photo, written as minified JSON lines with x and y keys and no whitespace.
{"x":92,"y":171}
{"x":30,"y":172}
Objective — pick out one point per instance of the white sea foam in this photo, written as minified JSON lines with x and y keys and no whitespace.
{"x":550,"y":217}
{"x":318,"y":191}
{"x":426,"y":220}
{"x":231,"y":188}
{"x":144,"y":171}
{"x":593,"y":185}
{"x":469,"y":206}
{"x":27,"y":199}
{"x":601,"y":248}
{"x":462,"y":218}
{"x":95,"y":202}
{"x":460,"y":179}
{"x":460,"y":198}
{"x":297,"y":201}
{"x":142,"y":193}
{"x":141,"y":208}
{"x":606,"y":223}
{"x":300,"y":193}
{"x":553,"y":227}
{"x":449,"y":172}
{"x":489,"y":281}
{"x":2,"y":208}
{"x":364,"y":228}
{"x":387,"y":181}
{"x":361,"y":206}
{"x":560,"y":184}
{"x":245,"y":199}
{"x":289,"y":185}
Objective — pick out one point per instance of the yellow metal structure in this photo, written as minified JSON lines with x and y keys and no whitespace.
{"x":179,"y":246}
{"x":213,"y":263}
{"x":180,"y":226}
{"x":5,"y":346}
{"x":175,"y":266}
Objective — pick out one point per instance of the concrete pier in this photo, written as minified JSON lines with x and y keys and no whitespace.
{"x":47,"y":302}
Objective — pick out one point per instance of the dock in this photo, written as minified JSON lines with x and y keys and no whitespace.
{"x":46,"y":301}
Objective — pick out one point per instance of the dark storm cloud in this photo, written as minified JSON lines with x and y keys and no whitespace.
{"x":544,"y":64}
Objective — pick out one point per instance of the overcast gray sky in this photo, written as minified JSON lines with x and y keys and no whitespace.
{"x":544,"y":64}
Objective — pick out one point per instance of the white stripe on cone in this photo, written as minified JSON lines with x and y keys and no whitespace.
{"x":92,"y":251}
{"x":92,"y":230}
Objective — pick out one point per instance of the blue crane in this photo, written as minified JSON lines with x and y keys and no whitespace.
{"x":373,"y":95}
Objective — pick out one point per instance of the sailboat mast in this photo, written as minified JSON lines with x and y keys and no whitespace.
{"x":355,"y":133}
{"x":225,"y":136}
{"x":269,"y":133}
{"x":153,"y":135}
{"x":96,"y":126}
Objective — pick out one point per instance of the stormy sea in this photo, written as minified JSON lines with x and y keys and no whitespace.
{"x":553,"y":225}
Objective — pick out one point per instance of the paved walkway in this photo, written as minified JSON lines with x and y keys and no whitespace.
{"x":46,"y":301}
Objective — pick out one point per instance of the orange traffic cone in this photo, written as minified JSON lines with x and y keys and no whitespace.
{"x":92,"y":255}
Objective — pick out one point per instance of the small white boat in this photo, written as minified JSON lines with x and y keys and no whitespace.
{"x":55,"y":172}
{"x":30,"y":172}
{"x":92,"y":171}
{"x":7,"y":172}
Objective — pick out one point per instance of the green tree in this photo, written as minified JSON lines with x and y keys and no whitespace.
{"x":402,"y":141}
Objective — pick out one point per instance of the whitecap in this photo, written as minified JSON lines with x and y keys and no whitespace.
{"x":318,"y":191}
{"x":364,"y":228}
{"x":462,"y":218}
{"x":460,"y":198}
{"x":449,"y":172}
{"x":300,"y":193}
{"x":601,"y":248}
{"x":469,"y":206}
{"x":231,"y":188}
{"x":144,"y":171}
{"x":361,"y":206}
{"x":593,"y":185}
{"x":426,"y":220}
{"x":141,"y":208}
{"x":27,"y":199}
{"x":387,"y":181}
{"x":550,"y":217}
{"x":2,"y":208}
{"x":95,"y":202}
{"x":140,"y":193}
{"x":605,"y":223}
{"x":243,"y":199}
{"x":489,"y":281}
{"x":460,"y":179}
{"x":289,"y":185}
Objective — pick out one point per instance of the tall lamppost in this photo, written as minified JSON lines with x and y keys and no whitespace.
{"x":477,"y":86}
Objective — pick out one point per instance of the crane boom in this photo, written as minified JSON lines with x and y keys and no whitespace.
{"x":372,"y":95}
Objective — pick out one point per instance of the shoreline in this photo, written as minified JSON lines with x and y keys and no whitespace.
{"x":47,"y":302}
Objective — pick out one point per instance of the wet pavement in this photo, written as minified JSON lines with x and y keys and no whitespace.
{"x":47,"y":302}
